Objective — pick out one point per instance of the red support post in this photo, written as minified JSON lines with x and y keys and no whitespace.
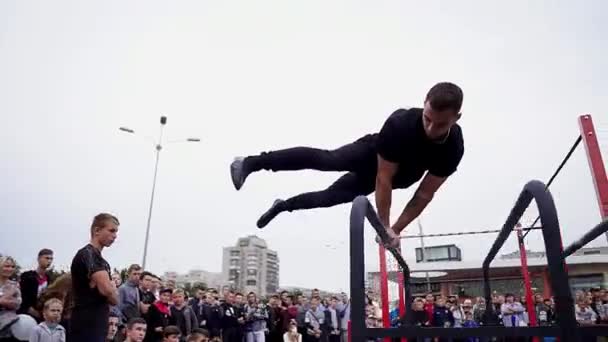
{"x":596,"y":164}
{"x":527,"y":284}
{"x":386,"y":319}
{"x":547,"y":292}
{"x":348,"y":332}
{"x":400,"y":280}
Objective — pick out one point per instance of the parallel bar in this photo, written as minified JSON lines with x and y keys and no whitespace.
{"x":556,"y":262}
{"x":591,"y":235}
{"x":362,"y":209}
{"x":357,"y":269}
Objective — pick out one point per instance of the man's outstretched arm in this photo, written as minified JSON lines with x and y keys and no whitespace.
{"x":422,"y":197}
{"x":384,"y":188}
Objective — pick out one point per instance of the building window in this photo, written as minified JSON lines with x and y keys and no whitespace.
{"x":439,"y":253}
{"x":251,"y":283}
{"x":420,"y":289}
{"x":251,"y":272}
{"x":585,"y":282}
{"x":235,"y":253}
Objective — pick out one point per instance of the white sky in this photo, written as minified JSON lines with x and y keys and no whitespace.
{"x":249,"y":76}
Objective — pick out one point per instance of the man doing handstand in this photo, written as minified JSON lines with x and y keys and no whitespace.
{"x":413,"y":144}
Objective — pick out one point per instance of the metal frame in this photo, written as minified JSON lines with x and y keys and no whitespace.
{"x":566,"y":328}
{"x":564,"y":303}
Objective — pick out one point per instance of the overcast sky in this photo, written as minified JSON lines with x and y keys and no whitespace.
{"x":250,"y":76}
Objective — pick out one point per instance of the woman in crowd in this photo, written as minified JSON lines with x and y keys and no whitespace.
{"x":10,"y":298}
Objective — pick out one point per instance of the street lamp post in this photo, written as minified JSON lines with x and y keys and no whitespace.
{"x":158,"y":147}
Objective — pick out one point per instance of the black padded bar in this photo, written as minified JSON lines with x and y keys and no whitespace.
{"x":564,"y":303}
{"x":591,"y":235}
{"x":490,"y":331}
{"x":362,"y":209}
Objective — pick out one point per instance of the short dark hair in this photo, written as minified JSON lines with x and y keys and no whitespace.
{"x":100,"y":220}
{"x":196,"y":334}
{"x":445,"y":96}
{"x":45,"y":251}
{"x":171,"y":330}
{"x":146,"y":274}
{"x":133,"y":267}
{"x":135,"y":320}
{"x":165,"y":290}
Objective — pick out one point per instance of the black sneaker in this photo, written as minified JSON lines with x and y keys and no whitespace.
{"x":238,"y":173}
{"x":275,"y":210}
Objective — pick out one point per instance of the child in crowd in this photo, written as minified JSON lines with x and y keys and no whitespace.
{"x":136,"y":330}
{"x":198,"y":335}
{"x":171,"y":333}
{"x":50,"y":330}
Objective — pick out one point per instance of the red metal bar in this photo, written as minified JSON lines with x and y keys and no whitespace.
{"x":527,"y":284}
{"x":596,"y":164}
{"x":349,"y":337}
{"x":547,"y":293}
{"x":386,"y":319}
{"x":401,"y":297}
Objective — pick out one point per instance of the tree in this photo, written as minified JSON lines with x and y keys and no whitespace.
{"x":56,"y":274}
{"x":199,"y":286}
{"x":190,"y":288}
{"x":124,"y":275}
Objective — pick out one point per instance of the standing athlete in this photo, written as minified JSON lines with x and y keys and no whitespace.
{"x":413,"y":144}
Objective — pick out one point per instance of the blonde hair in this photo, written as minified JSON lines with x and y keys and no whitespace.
{"x":52,"y":301}
{"x":5,"y":259}
{"x":100,"y":221}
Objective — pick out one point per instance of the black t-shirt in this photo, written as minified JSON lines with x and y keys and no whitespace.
{"x":402,"y":140}
{"x":90,"y":308}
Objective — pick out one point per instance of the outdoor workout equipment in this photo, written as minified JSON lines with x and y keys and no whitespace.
{"x":567,"y":326}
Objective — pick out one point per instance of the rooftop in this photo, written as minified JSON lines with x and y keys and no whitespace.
{"x":540,"y":260}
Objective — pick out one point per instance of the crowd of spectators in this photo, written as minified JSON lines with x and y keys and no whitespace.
{"x":92,"y":304}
